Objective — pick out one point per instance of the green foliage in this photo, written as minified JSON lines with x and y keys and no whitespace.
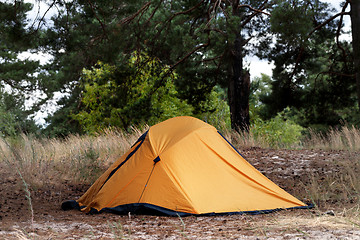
{"x":311,"y":75}
{"x":218,"y":111}
{"x":297,"y":55}
{"x":139,"y":91}
{"x":17,"y":77}
{"x":196,"y":38}
{"x":88,"y":165}
{"x":278,"y":131}
{"x":318,"y":99}
{"x":79,"y":35}
{"x":292,"y":21}
{"x":7,"y":123}
{"x":13,"y":116}
{"x":15,"y":38}
{"x":260,"y":87}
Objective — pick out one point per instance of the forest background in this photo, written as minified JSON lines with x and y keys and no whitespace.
{"x":124,"y":64}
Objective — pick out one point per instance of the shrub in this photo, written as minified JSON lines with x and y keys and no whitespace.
{"x":278,"y":132}
{"x":138,"y":91}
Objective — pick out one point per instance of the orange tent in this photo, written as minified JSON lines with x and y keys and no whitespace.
{"x":183,"y":166}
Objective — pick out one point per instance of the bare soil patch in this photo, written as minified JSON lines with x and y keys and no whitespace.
{"x":290,"y":169}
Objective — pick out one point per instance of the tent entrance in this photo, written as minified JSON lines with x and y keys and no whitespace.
{"x":156,"y":160}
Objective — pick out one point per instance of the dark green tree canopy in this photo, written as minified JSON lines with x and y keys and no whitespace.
{"x":203,"y":43}
{"x":313,"y":71}
{"x":18,"y":78}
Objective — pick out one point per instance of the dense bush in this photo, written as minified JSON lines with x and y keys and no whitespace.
{"x":279,"y":131}
{"x":141,"y":91}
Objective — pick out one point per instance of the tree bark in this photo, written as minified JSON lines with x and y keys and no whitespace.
{"x":239,"y":89}
{"x":355,"y":29}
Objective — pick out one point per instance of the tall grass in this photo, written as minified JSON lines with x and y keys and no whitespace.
{"x":340,"y":186}
{"x":76,"y":158}
{"x":345,"y":138}
{"x":47,"y":162}
{"x":255,"y":139}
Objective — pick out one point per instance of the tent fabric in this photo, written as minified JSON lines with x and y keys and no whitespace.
{"x":183,"y":166}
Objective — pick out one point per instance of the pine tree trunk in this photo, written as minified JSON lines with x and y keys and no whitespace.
{"x":239,"y":89}
{"x":355,"y":29}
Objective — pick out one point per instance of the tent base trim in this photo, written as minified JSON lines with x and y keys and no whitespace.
{"x":150,"y":209}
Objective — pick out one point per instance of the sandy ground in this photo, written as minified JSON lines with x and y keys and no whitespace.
{"x":290,"y":169}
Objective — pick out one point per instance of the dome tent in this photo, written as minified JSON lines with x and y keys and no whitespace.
{"x":183,"y":166}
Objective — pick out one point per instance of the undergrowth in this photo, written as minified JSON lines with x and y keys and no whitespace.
{"x":344,"y":138}
{"x":79,"y":159}
{"x":43,"y":163}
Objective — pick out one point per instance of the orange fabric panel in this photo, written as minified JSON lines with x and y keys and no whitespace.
{"x":86,"y":199}
{"x":168,"y":133}
{"x":128,"y":179}
{"x":222,"y":181}
{"x":162,"y":191}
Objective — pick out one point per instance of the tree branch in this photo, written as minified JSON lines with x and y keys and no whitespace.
{"x":153,"y":13}
{"x":171,"y":68}
{"x":327,"y":21}
{"x":187,"y":11}
{"x":338,"y":33}
{"x":254,"y":9}
{"x":217,"y":30}
{"x":164,"y":24}
{"x":334,"y":73}
{"x":96,"y":16}
{"x":341,"y":14}
{"x":256,"y":12}
{"x":188,"y":54}
{"x":130,"y":18}
{"x":43,"y":16}
{"x":302,"y":49}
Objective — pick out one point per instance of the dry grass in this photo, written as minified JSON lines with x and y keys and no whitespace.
{"x":340,"y":186}
{"x":244,"y":139}
{"x":345,"y":138}
{"x":45,"y":162}
{"x":75,"y":154}
{"x":313,"y":220}
{"x":81,"y":159}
